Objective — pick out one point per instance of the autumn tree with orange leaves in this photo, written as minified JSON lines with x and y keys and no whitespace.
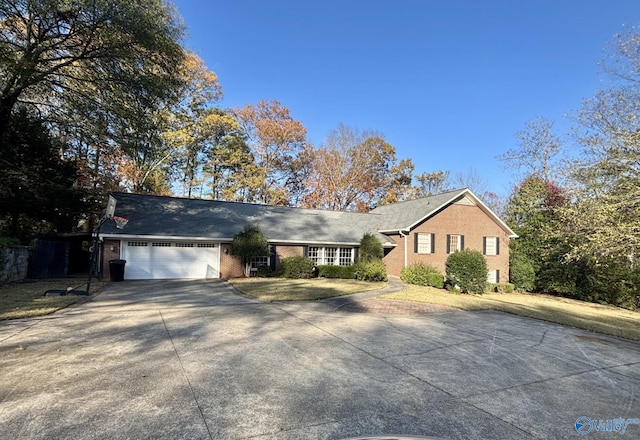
{"x":275,"y":140}
{"x":354,"y":170}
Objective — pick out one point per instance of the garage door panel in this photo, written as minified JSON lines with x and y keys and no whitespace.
{"x":164,"y":260}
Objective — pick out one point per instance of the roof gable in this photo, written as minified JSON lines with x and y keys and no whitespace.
{"x":405,"y":216}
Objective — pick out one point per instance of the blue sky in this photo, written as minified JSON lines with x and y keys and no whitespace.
{"x":448,"y":83}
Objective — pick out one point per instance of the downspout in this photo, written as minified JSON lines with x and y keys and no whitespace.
{"x":406,"y":255}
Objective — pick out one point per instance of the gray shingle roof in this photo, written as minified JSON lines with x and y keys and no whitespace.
{"x":405,"y":215}
{"x":158,"y":216}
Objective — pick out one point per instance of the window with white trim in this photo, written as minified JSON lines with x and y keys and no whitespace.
{"x":491,"y":245}
{"x":424,"y":243}
{"x":346,"y":257}
{"x":455,"y":243}
{"x":493,"y":276}
{"x":315,"y":253}
{"x":257,"y":262}
{"x":331,"y":256}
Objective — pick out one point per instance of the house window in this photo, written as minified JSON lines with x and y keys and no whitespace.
{"x":493,"y":276}
{"x":256,"y":262}
{"x":491,"y":246}
{"x":455,"y":243}
{"x":346,"y":257}
{"x":425,"y":243}
{"x":315,"y":253}
{"x":330,"y":255}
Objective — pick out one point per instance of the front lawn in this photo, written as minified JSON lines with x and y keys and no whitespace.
{"x":282,"y":289}
{"x":24,"y":299}
{"x":589,"y":316}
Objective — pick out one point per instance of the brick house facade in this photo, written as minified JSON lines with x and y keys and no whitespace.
{"x":460,"y":219}
{"x":169,"y":237}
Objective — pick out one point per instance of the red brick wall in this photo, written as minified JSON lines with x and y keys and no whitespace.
{"x":111,"y":251}
{"x":466,"y":220}
{"x":230,"y":266}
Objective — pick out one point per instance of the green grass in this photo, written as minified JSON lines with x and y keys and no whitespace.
{"x":24,"y":299}
{"x":281,"y":289}
{"x":589,"y":316}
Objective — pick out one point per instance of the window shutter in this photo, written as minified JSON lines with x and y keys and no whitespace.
{"x":497,"y":245}
{"x":462,"y":242}
{"x":448,"y":244}
{"x":272,"y":257}
{"x":497,"y":275}
{"x":433,"y":243}
{"x":305,"y":251}
{"x":415,"y":242}
{"x":484,"y":245}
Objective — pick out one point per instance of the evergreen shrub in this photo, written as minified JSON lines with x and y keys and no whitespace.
{"x":370,"y":248}
{"x":422,"y":275}
{"x":331,"y":271}
{"x":467,"y":271}
{"x":297,"y":267}
{"x":521,"y":272}
{"x":373,"y":270}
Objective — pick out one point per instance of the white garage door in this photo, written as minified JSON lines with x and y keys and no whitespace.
{"x":170,"y":259}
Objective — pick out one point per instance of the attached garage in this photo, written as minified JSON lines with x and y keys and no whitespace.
{"x":157,"y":259}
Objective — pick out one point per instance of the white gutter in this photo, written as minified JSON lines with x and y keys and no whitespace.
{"x":230,"y":239}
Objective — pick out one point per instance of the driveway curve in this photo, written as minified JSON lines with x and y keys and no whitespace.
{"x":197,"y":360}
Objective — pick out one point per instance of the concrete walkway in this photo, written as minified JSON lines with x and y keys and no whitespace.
{"x":195,"y":360}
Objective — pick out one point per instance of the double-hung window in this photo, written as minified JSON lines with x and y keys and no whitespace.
{"x":455,"y":242}
{"x":491,"y":245}
{"x":334,"y":256}
{"x":493,"y":276}
{"x":256,"y":262}
{"x":424,"y":243}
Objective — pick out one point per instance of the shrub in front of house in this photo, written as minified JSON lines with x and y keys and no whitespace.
{"x":370,"y":248}
{"x":373,"y":270}
{"x":264,"y":271}
{"x":344,"y":272}
{"x":297,"y":267}
{"x":422,"y":275}
{"x":521,"y":272}
{"x":467,"y":270}
{"x":501,"y":287}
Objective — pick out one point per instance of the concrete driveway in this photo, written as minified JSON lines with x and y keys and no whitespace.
{"x":195,"y":360}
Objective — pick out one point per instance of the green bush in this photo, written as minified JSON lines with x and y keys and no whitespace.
{"x":422,"y":275}
{"x":297,"y":267}
{"x":435,"y":280}
{"x":467,"y":270}
{"x":374,"y":270}
{"x":264,"y":271}
{"x":501,"y":287}
{"x":521,"y":272}
{"x":344,"y":272}
{"x":248,"y":244}
{"x":370,"y":248}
